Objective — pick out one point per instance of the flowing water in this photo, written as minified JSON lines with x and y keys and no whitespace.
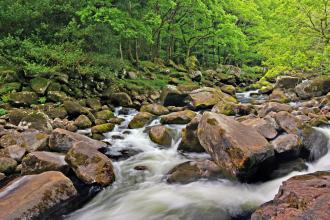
{"x":144,"y":195}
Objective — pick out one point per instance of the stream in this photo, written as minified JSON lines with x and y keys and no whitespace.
{"x":144,"y":194}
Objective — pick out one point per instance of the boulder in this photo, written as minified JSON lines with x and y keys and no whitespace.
{"x":62,"y":140}
{"x":155,"y":109}
{"x":7,"y":165}
{"x":287,"y":82}
{"x":140,"y":120}
{"x":287,"y":143}
{"x":90,"y":165}
{"x":264,"y":127}
{"x":225,"y":108}
{"x":57,"y":96}
{"x":82,"y":122}
{"x":273,"y":107}
{"x":73,"y":108}
{"x":104,"y":114}
{"x":288,"y":122}
{"x":29,"y":140}
{"x":35,"y":196}
{"x":15,"y":116}
{"x":121,"y":99}
{"x":236,"y":148}
{"x":172,"y":96}
{"x":161,"y":135}
{"x":313,"y":88}
{"x":182,"y":117}
{"x":103,"y":128}
{"x":229,"y":89}
{"x":191,"y":171}
{"x":40,"y":85}
{"x":23,"y":98}
{"x":189,"y":140}
{"x":57,"y":112}
{"x":315,"y":142}
{"x":94,"y":104}
{"x":300,"y":197}
{"x":42,"y":161}
{"x":278,"y":95}
{"x":37,"y":120}
{"x":15,"y":152}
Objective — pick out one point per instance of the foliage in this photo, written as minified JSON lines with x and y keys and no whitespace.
{"x":3,"y":112}
{"x":42,"y":100}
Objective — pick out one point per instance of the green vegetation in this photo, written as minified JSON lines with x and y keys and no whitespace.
{"x":3,"y":112}
{"x":42,"y":100}
{"x":101,"y":38}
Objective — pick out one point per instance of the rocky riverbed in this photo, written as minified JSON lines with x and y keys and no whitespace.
{"x":186,"y":153}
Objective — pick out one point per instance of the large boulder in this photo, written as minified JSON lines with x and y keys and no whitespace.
{"x":29,"y":140}
{"x":90,"y":165}
{"x":40,"y":85}
{"x":140,"y":120}
{"x":273,"y":107}
{"x":35,"y":196}
{"x":300,"y":197}
{"x":37,"y":120}
{"x":83,"y":122}
{"x":189,"y":140}
{"x":62,"y":140}
{"x":181,"y":117}
{"x":155,"y":109}
{"x":161,"y":135}
{"x":288,"y":144}
{"x":191,"y":171}
{"x":287,"y":82}
{"x":104,"y":114}
{"x":103,"y":128}
{"x":236,"y":148}
{"x":121,"y":99}
{"x":42,"y":161}
{"x":73,"y":108}
{"x":23,"y":98}
{"x":15,"y":152}
{"x":313,"y":88}
{"x":173,"y":96}
{"x":264,"y":127}
{"x":288,"y":122}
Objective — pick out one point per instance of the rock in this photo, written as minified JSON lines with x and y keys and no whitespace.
{"x":182,"y":117}
{"x":57,"y":96}
{"x":90,"y":165}
{"x":287,"y":82}
{"x":103,"y":128}
{"x":172,"y":96}
{"x":58,"y":112}
{"x":15,"y":152}
{"x":273,"y":107}
{"x":73,"y":108}
{"x":287,"y":143}
{"x":82,"y":122}
{"x":40,"y":85}
{"x":62,"y":140}
{"x":315,"y":142}
{"x":225,"y":108}
{"x":115,"y":120}
{"x":42,"y":161}
{"x":287,"y":122}
{"x":140,"y":120}
{"x":23,"y":98}
{"x":37,"y":120}
{"x":264,"y":127}
{"x":278,"y":95}
{"x":16,"y":115}
{"x":161,"y":135}
{"x":29,"y":140}
{"x":9,"y":87}
{"x":94,"y":104}
{"x":236,"y":148}
{"x":288,"y":167}
{"x":7,"y":165}
{"x":229,"y":89}
{"x":191,"y":171}
{"x":121,"y":99}
{"x":35,"y":196}
{"x":189,"y":140}
{"x":313,"y":88}
{"x":104,"y":115}
{"x":300,"y":197}
{"x":2,"y":176}
{"x":196,"y":75}
{"x":155,"y":109}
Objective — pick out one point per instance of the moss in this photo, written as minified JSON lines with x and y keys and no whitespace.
{"x":104,"y":115}
{"x":103,"y":128}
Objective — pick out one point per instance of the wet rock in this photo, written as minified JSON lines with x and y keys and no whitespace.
{"x":90,"y":165}
{"x":300,"y":197}
{"x":23,"y":98}
{"x":182,"y":117}
{"x":42,"y":161}
{"x":264,"y":127}
{"x":82,"y":122}
{"x":161,"y":135}
{"x":104,"y":115}
{"x":287,"y":143}
{"x":29,"y":140}
{"x":273,"y":107}
{"x":62,"y":140}
{"x":191,"y":171}
{"x":155,"y":109}
{"x":57,"y":96}
{"x":286,"y":167}
{"x":35,"y":196}
{"x":140,"y":120}
{"x":313,"y":88}
{"x":15,"y":152}
{"x":40,"y":85}
{"x":315,"y":143}
{"x":36,"y":120}
{"x":73,"y":108}
{"x":103,"y":128}
{"x":7,"y":165}
{"x":141,"y":168}
{"x":2,"y":176}
{"x":189,"y":140}
{"x":287,"y":122}
{"x":287,"y":82}
{"x":121,"y":99}
{"x":236,"y":148}
{"x":116,"y":120}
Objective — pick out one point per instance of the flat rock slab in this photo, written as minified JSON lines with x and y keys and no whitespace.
{"x":33,"y":196}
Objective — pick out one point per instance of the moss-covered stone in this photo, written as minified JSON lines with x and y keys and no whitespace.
{"x":155,"y":109}
{"x":37,"y":120}
{"x":94,"y":104}
{"x":73,"y":108}
{"x":40,"y":85}
{"x":54,"y":86}
{"x":16,"y":115}
{"x":23,"y":98}
{"x":57,"y":96}
{"x":141,"y":119}
{"x":103,"y":128}
{"x":225,"y":108}
{"x":56,"y":112}
{"x":104,"y":115}
{"x":83,"y":122}
{"x":161,"y":135}
{"x":229,"y":89}
{"x":182,"y":117}
{"x":10,"y":87}
{"x":7,"y":165}
{"x":278,"y":95}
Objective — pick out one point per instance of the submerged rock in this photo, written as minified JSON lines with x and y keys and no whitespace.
{"x":35,"y":196}
{"x":300,"y":197}
{"x":236,"y":148}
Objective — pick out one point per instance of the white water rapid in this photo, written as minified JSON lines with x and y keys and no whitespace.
{"x":145,"y":195}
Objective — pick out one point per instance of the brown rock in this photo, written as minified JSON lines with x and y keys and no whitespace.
{"x":7,"y":165}
{"x":265,"y":128}
{"x":273,"y":107}
{"x":15,"y":152}
{"x":189,"y":141}
{"x":236,"y":148}
{"x":286,"y":143}
{"x":161,"y":135}
{"x":155,"y":109}
{"x":287,"y":122}
{"x":34,"y":196}
{"x":182,"y":117}
{"x":140,"y":120}
{"x":83,"y":122}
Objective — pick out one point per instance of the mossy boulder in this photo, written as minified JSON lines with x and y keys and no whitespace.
{"x":10,"y":87}
{"x":161,"y":135}
{"x":16,"y":115}
{"x":73,"y":108}
{"x":278,"y":95}
{"x":7,"y":165}
{"x":155,"y":109}
{"x":103,"y":128}
{"x":313,"y":88}
{"x":104,"y":114}
{"x":54,"y":86}
{"x":121,"y":99}
{"x":225,"y":108}
{"x":94,"y":104}
{"x":37,"y":120}
{"x":56,"y":112}
{"x":57,"y":96}
{"x":23,"y":98}
{"x":229,"y":89}
{"x":40,"y":85}
{"x":182,"y":117}
{"x":140,"y":120}
{"x":82,"y":122}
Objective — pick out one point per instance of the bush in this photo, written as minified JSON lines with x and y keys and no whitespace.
{"x":3,"y":111}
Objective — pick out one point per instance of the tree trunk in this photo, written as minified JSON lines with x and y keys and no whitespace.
{"x":137,"y":51}
{"x":121,"y":51}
